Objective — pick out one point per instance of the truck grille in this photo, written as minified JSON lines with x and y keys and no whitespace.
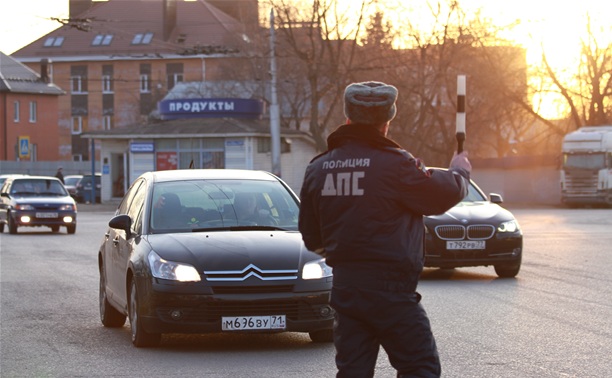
{"x":581,"y":182}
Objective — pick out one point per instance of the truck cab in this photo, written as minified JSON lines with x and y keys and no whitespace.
{"x":586,"y":174}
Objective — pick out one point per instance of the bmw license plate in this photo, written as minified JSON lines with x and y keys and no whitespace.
{"x":465,"y":244}
{"x":245,"y":323}
{"x":46,"y":215}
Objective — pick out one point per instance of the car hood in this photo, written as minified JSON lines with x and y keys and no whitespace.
{"x":234,"y":250}
{"x":36,"y":200}
{"x":472,"y":213}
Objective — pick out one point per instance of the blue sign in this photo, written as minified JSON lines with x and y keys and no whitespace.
{"x":24,"y":147}
{"x":142,"y":147}
{"x":210,"y":108}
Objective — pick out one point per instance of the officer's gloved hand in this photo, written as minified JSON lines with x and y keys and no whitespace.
{"x":460,"y":161}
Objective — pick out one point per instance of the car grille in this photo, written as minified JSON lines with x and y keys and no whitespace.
{"x":214,"y":311}
{"x":252,"y":289}
{"x":458,"y":232}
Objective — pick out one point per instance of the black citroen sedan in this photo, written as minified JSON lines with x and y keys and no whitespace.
{"x":36,"y":201}
{"x":475,"y":232}
{"x":211,"y":251}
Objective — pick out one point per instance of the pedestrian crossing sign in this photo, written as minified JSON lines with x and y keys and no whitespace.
{"x":24,"y":147}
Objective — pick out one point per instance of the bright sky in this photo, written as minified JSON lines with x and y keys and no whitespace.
{"x":556,"y":25}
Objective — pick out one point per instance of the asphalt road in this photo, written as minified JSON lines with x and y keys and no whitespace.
{"x":553,"y":320}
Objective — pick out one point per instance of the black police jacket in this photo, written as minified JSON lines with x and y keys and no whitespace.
{"x":363,"y":202}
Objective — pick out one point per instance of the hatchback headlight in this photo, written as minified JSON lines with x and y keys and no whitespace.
{"x":24,"y":207}
{"x":316,"y":269}
{"x":169,"y":270}
{"x":509,"y":226}
{"x":67,"y":208}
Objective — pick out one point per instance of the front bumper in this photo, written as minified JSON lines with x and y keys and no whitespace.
{"x":500,"y":250}
{"x":29,"y":218}
{"x":169,"y":309}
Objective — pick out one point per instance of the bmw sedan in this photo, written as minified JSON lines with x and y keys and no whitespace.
{"x":475,"y":232}
{"x":211,"y":251}
{"x":36,"y":201}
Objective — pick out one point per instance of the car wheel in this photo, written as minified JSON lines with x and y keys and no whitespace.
{"x":71,"y":229}
{"x":109,"y":316}
{"x":322,"y":336}
{"x":54,"y":228}
{"x":140,"y":337}
{"x":12,"y":227}
{"x":507,"y":271}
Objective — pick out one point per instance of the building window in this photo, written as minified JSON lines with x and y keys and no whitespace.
{"x":107,"y":84}
{"x":78,"y":84}
{"x":77,"y":157}
{"x":145,"y":83}
{"x":107,"y":122}
{"x":77,"y":125}
{"x":32,"y":111}
{"x":264,"y":145}
{"x":102,"y":40}
{"x":142,"y":39}
{"x":16,"y":111}
{"x":174,"y":74}
{"x":53,"y":42}
{"x":173,"y":79}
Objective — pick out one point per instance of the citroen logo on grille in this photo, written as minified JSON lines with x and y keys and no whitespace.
{"x":251,"y":271}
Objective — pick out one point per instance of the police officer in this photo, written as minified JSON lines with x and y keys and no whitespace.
{"x":362,"y":208}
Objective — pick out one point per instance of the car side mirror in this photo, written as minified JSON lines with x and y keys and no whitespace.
{"x":122,"y":222}
{"x":5,"y":195}
{"x":496,"y":198}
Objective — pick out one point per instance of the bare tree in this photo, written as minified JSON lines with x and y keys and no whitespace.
{"x":316,"y":52}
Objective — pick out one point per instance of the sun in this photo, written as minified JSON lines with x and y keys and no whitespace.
{"x":547,"y":28}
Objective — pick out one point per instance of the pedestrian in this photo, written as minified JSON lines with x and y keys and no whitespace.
{"x":60,"y":175}
{"x":362,"y":207}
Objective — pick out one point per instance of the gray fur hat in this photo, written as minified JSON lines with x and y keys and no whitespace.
{"x":370,"y":102}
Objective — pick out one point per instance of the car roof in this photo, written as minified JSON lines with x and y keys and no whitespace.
{"x":211,"y":174}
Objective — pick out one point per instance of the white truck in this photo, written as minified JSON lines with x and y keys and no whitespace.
{"x":586,"y":174}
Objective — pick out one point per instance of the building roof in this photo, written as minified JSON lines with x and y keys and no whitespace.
{"x":196,"y":128}
{"x":197,"y":28}
{"x":18,"y":78}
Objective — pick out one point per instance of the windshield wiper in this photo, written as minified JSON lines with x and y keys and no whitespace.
{"x":240,"y":228}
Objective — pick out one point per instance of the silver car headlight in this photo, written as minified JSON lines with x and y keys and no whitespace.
{"x":169,"y":270}
{"x":509,"y":226}
{"x":67,"y":208}
{"x":316,"y":269}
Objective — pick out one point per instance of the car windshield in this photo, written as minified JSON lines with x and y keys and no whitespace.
{"x":214,"y":205}
{"x":71,"y":180}
{"x":37,"y":187}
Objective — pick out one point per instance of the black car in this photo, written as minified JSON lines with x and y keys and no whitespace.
{"x":207,"y":251}
{"x":70,"y":182}
{"x":82,"y":193}
{"x":475,"y":232}
{"x":35,"y":201}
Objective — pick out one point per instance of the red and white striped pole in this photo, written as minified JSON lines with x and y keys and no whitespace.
{"x":460,"y":126}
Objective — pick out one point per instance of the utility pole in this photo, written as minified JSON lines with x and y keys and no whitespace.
{"x":274,"y":110}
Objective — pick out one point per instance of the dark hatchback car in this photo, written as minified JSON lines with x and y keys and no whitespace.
{"x":36,"y":201}
{"x":475,"y":232}
{"x":211,"y":251}
{"x":82,"y":193}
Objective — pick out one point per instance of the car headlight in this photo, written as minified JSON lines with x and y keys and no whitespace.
{"x":509,"y":226}
{"x":67,"y":208}
{"x":24,"y":207}
{"x":169,"y":270}
{"x":316,"y":269}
